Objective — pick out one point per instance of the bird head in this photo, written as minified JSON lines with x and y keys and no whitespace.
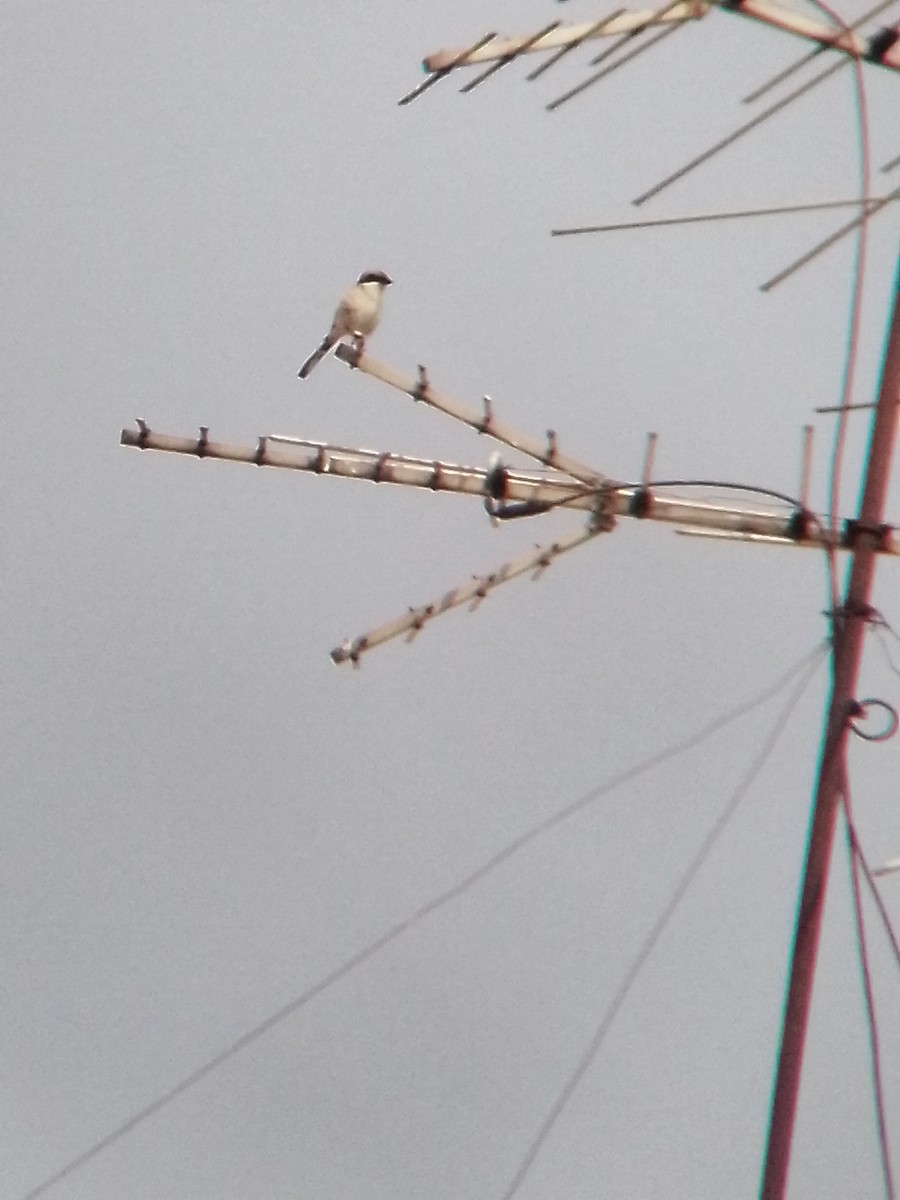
{"x":375,"y":277}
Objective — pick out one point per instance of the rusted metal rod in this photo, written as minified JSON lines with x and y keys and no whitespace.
{"x":849,"y":633}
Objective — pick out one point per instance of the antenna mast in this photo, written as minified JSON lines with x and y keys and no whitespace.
{"x":849,"y":624}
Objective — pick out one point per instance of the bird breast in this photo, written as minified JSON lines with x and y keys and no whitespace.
{"x":364,"y":308}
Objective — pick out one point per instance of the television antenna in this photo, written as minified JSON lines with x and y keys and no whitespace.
{"x":563,"y":482}
{"x":508,"y":494}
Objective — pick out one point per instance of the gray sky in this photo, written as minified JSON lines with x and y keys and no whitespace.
{"x":203,"y":817}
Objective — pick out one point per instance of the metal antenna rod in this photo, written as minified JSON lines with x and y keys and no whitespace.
{"x":508,"y":58}
{"x":889,"y":166}
{"x":737,"y":133}
{"x":836,"y":408}
{"x":780,"y":210}
{"x":652,"y":18}
{"x":590,"y":31}
{"x":849,"y":632}
{"x":437,"y":75}
{"x":806,"y":469}
{"x":813,"y":54}
{"x":869,"y":208}
{"x":649,"y":456}
{"x":651,"y":41}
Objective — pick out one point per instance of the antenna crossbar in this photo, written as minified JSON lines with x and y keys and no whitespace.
{"x":472,"y":593}
{"x":546,"y":453}
{"x":320,"y":458}
{"x":879,"y":49}
{"x":564,"y":36}
{"x":789,"y":528}
{"x":602,"y":501}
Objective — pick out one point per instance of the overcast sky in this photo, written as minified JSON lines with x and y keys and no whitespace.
{"x":204,"y":818}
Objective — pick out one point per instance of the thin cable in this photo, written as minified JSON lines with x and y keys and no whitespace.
{"x":545,"y":506}
{"x":654,"y":484}
{"x":725,"y":484}
{"x":888,"y":627}
{"x":396,"y":931}
{"x":886,"y":652}
{"x":656,"y":932}
{"x":876,"y":895}
{"x":721,"y":483}
{"x":875,"y":1055}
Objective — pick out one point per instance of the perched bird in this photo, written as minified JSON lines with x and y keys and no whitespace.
{"x":356,"y":316}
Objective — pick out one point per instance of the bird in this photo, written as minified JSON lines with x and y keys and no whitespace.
{"x":356,"y":316}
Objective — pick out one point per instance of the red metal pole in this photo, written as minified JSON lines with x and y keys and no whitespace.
{"x":849,"y":634}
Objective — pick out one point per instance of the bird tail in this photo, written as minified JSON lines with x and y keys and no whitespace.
{"x":317,"y":355}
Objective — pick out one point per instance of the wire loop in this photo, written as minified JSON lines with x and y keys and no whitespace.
{"x":860,"y":709}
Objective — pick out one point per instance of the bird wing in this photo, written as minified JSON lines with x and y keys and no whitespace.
{"x":343,"y":320}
